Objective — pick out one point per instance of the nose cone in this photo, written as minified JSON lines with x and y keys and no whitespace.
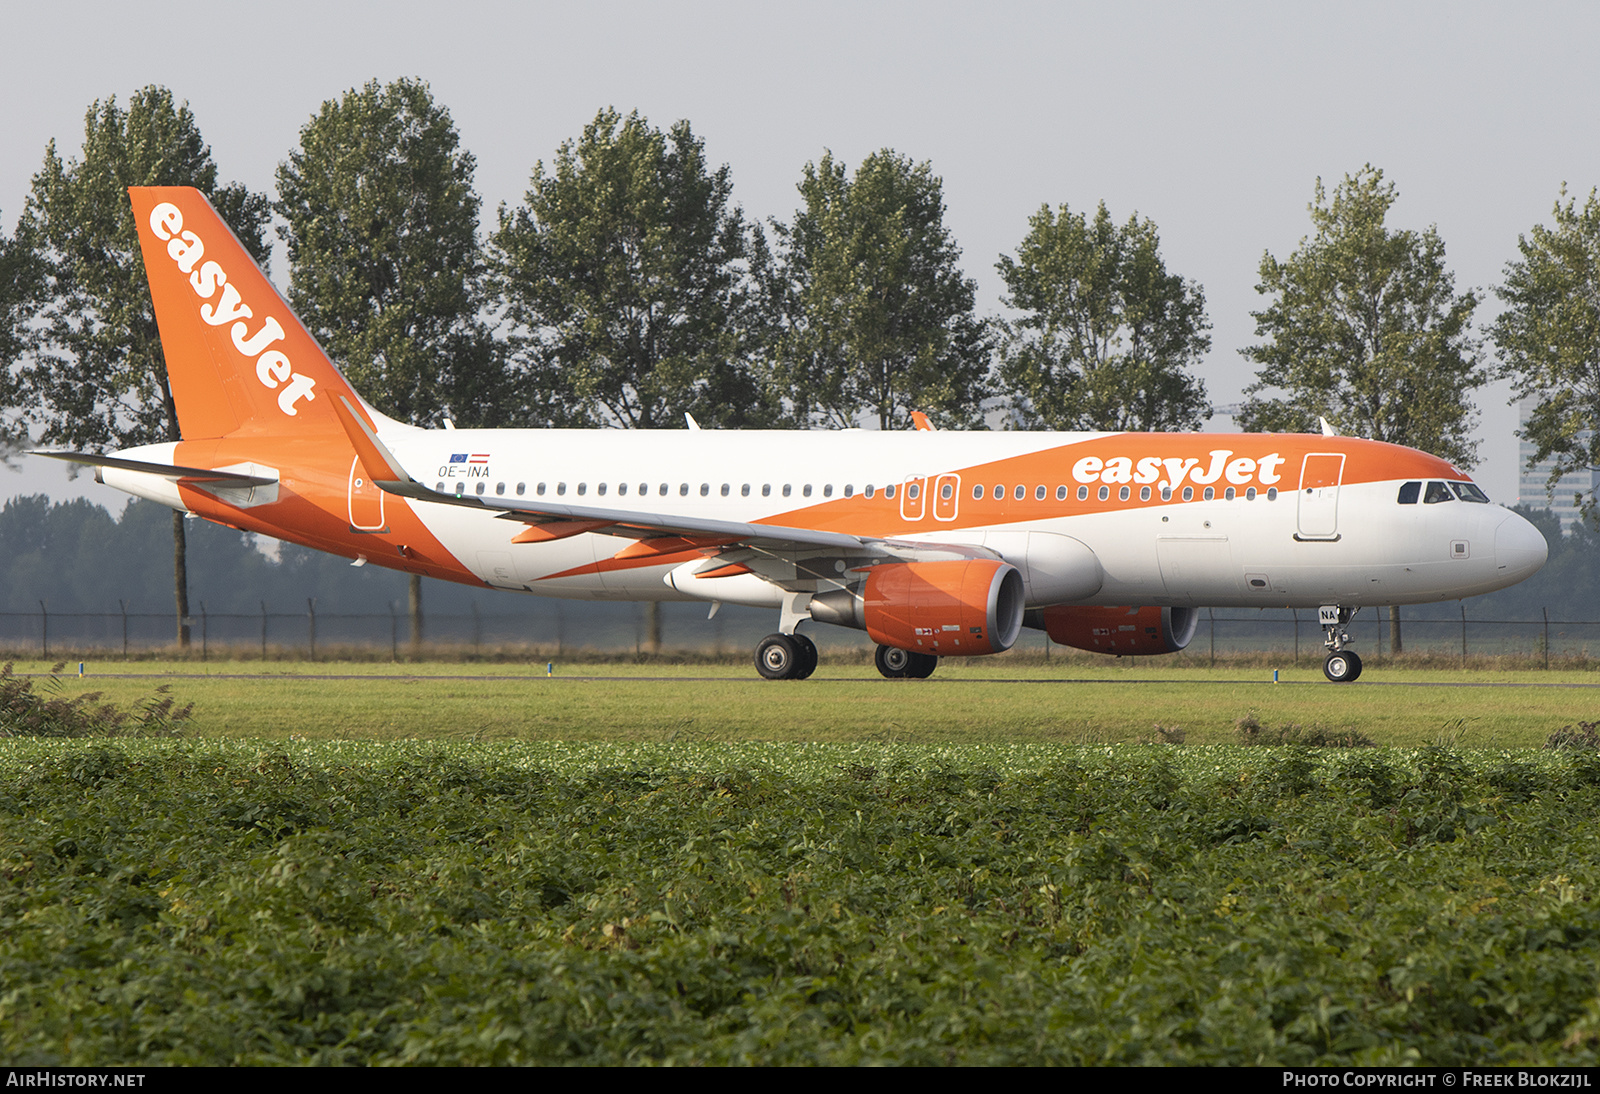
{"x":1519,"y":549}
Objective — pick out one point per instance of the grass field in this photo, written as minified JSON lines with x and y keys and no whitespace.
{"x":980,"y":702}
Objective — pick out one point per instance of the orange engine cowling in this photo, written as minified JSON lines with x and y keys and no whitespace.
{"x":1119,"y":631}
{"x":958,"y":608}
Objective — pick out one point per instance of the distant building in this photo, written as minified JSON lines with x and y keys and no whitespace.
{"x":1533,"y":485}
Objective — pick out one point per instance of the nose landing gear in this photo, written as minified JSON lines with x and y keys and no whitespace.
{"x":1342,"y":665}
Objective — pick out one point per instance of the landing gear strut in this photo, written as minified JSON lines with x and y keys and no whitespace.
{"x":898,"y":664}
{"x":1342,"y":665}
{"x":786,"y":657}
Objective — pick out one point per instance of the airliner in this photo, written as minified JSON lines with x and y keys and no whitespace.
{"x":936,"y":543}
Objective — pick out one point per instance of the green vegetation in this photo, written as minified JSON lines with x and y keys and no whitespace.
{"x":181,"y":902}
{"x":988,"y":701}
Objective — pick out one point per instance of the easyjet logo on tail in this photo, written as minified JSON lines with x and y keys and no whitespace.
{"x":207,"y":279}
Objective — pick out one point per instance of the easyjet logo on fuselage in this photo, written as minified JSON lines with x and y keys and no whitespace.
{"x":1147,"y":470}
{"x":272,"y":365}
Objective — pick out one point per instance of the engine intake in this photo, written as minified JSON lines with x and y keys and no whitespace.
{"x":958,"y":608}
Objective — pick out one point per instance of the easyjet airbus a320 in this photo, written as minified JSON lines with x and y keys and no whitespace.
{"x":937,"y":544}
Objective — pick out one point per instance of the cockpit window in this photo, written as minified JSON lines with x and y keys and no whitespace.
{"x":1437,"y":492}
{"x":1469,"y":491}
{"x":1409,"y":492}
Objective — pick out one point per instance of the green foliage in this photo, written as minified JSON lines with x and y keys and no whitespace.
{"x":25,"y":712}
{"x":1548,"y":336}
{"x":627,"y":274}
{"x":1583,"y":737}
{"x":1250,"y":731}
{"x":873,"y":314}
{"x":1108,"y":336}
{"x":1366,"y":329}
{"x":384,"y":260}
{"x":20,"y":272}
{"x":97,"y":377}
{"x":186,"y":903}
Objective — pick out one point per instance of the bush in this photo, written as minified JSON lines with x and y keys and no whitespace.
{"x":25,"y":712}
{"x":1583,"y":737}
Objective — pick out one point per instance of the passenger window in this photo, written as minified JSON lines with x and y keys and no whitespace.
{"x":1272,"y":493}
{"x":1038,"y":493}
{"x":499,"y":488}
{"x":1144,"y":493}
{"x":805,"y":491}
{"x":724,"y":489}
{"x":1122,"y":495}
{"x":1227,"y":495}
{"x":683,"y":490}
{"x":977,"y":493}
{"x":583,"y":488}
{"x":1020,"y":492}
{"x":1210,"y":493}
{"x":1083,"y":493}
{"x":622,"y":489}
{"x":561,"y":488}
{"x":600,"y":489}
{"x":1105,"y":492}
{"x":1250,"y":494}
{"x":1409,"y":492}
{"x":888,"y":491}
{"x":1437,"y":492}
{"x":481,"y":485}
{"x":705,"y":490}
{"x":1188,"y":493}
{"x":744,"y":491}
{"x":850,"y":490}
{"x":766,"y":489}
{"x":946,"y":491}
{"x":522,"y":488}
{"x":785,"y":489}
{"x":1061,"y":493}
{"x":827,"y":491}
{"x":999,"y":493}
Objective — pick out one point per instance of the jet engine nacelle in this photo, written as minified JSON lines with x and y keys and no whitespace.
{"x":1120,"y":631}
{"x":959,"y":608}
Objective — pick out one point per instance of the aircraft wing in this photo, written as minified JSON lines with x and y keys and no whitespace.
{"x":553,"y":520}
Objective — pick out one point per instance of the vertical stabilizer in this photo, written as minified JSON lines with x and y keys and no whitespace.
{"x":237,"y":358}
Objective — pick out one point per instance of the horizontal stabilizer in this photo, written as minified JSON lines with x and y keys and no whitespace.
{"x":206,"y":475}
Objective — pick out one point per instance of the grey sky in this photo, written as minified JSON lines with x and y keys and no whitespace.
{"x":1213,"y":120}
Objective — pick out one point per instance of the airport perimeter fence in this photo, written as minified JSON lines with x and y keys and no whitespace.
{"x":560,"y":628}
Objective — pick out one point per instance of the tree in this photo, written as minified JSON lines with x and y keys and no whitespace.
{"x":1367,"y":331}
{"x":19,"y":291}
{"x":627,"y":273}
{"x":97,"y":377}
{"x":384,"y":260}
{"x":1108,"y":335}
{"x":874,"y":317}
{"x":1548,"y":336}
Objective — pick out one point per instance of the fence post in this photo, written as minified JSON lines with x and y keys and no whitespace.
{"x":1463,"y":636}
{"x":123,"y":604}
{"x":311,"y":624}
{"x":394,"y":632}
{"x":1546,"y":612}
{"x":1212,"y":613}
{"x":1296,"y":612}
{"x":263,"y":630}
{"x":477,"y":629}
{"x":204,"y":630}
{"x":44,"y":630}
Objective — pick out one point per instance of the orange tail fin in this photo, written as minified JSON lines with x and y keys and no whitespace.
{"x":237,"y":358}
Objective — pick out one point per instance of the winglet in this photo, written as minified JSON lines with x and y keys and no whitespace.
{"x":920,"y":420}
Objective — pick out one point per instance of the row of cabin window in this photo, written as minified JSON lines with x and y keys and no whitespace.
{"x":913,"y":490}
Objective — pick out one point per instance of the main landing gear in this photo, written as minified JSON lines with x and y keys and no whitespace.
{"x":786,"y":657}
{"x":898,"y":664}
{"x":1342,"y":665}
